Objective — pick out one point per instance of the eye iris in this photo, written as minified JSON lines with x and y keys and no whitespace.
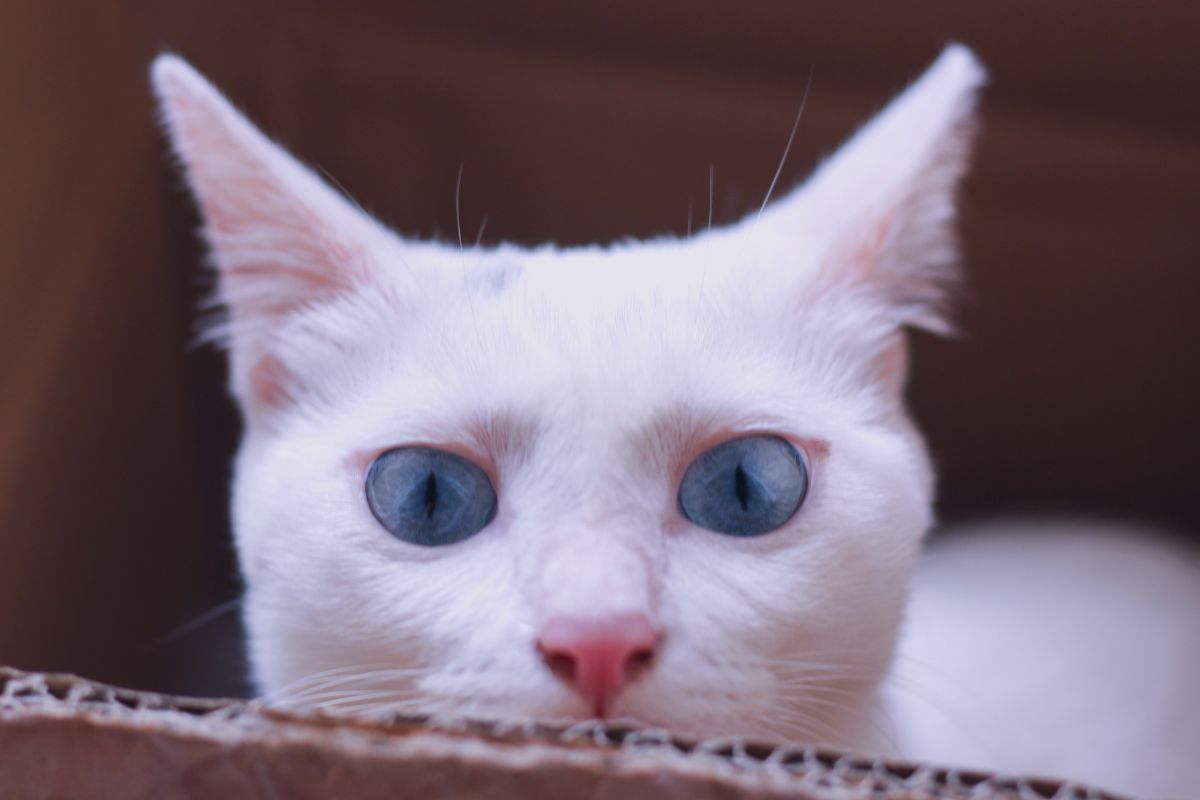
{"x":744,"y":487}
{"x":429,"y":497}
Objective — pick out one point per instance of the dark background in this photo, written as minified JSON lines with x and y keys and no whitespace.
{"x":1074,"y":388}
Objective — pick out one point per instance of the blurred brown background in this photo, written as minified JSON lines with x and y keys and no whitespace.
{"x":1074,"y":388}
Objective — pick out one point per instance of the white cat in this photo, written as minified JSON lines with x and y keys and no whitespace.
{"x":673,"y":480}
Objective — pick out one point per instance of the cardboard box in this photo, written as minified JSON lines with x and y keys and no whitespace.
{"x":66,"y":737}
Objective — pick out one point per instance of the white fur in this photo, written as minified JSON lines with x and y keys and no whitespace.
{"x":584,"y":381}
{"x":1059,"y":648}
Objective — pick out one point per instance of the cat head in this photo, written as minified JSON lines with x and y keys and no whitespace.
{"x":670,"y":480}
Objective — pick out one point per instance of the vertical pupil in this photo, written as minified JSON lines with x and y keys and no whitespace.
{"x":431,"y":494}
{"x":741,"y":485}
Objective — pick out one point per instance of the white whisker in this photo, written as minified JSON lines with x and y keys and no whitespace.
{"x":199,"y":621}
{"x":788,"y":147}
{"x":312,"y":685}
{"x":458,"y":205}
{"x":345,"y":192}
{"x":711,"y":170}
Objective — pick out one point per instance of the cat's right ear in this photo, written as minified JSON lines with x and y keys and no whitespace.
{"x":281,"y":238}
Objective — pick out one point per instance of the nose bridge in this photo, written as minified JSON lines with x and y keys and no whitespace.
{"x":595,"y":545}
{"x":592,"y":571}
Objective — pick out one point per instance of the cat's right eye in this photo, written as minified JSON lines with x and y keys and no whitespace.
{"x":429,"y":497}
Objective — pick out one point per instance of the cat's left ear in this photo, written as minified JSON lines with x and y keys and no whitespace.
{"x":880,"y":212}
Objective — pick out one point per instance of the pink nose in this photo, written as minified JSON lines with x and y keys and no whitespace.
{"x":599,"y":656}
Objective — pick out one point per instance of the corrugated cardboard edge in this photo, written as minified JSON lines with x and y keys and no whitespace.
{"x":63,"y":736}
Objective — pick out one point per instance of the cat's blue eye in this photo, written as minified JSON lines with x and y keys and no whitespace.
{"x":429,"y":497}
{"x":744,"y":487}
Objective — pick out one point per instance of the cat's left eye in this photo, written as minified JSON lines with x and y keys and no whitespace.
{"x":745,"y":487}
{"x":429,"y":497}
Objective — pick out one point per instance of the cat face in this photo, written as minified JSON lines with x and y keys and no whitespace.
{"x":481,"y":480}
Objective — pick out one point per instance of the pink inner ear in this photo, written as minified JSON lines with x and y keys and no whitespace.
{"x":278,"y":258}
{"x":891,"y":365}
{"x":855,"y":257}
{"x":251,"y":214}
{"x":270,"y":383}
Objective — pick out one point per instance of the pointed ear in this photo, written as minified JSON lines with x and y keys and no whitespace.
{"x":882,"y":207}
{"x":281,"y":239}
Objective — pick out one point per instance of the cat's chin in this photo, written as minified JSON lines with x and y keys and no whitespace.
{"x":697,"y":729}
{"x":690,"y":716}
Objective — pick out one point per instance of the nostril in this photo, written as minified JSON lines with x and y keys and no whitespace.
{"x":561,"y":664}
{"x":638,"y":662}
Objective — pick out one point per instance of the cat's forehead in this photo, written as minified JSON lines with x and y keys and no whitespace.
{"x":667,"y":270}
{"x":597,"y":313}
{"x":663,"y":342}
{"x":657,"y":340}
{"x":604,"y":294}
